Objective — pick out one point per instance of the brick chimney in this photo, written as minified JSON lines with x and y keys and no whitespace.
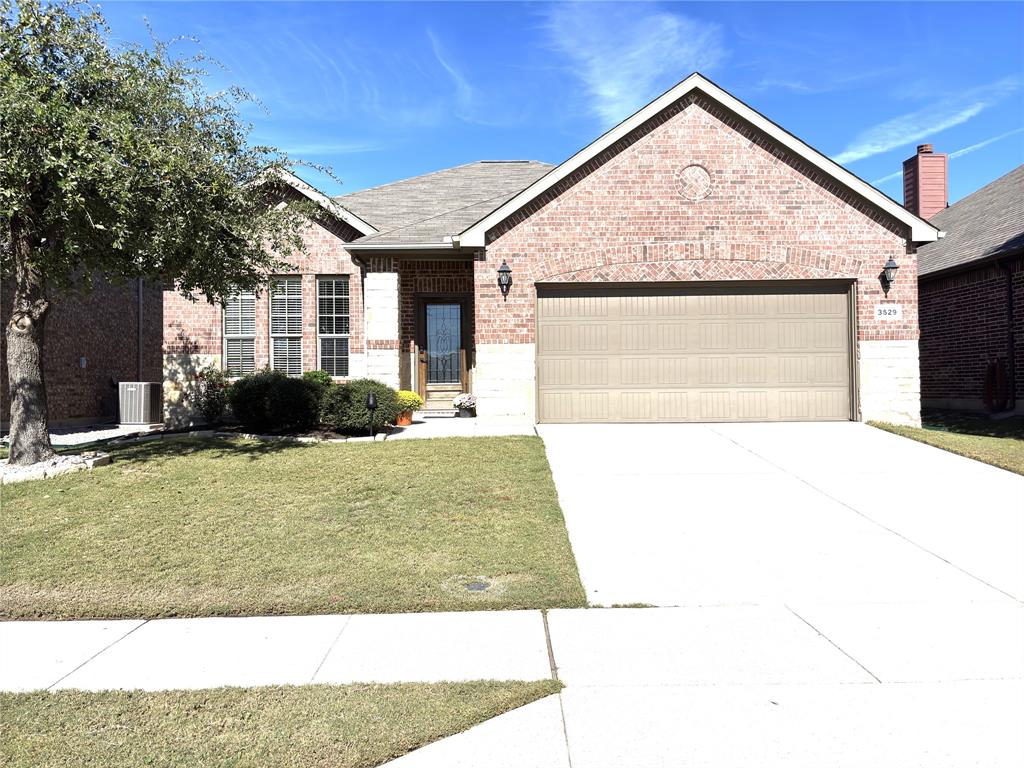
{"x":925,"y":182}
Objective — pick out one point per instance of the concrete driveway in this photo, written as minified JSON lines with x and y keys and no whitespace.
{"x":831,"y":595}
{"x":754,"y":514}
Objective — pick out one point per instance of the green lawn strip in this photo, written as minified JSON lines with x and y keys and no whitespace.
{"x":339,"y":726}
{"x":232,"y":527}
{"x":1006,"y":452}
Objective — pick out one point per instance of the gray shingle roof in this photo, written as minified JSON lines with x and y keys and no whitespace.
{"x":985,"y":224}
{"x":428,"y":208}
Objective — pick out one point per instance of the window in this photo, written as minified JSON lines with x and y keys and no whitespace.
{"x":332,"y":324}
{"x":240,"y":334}
{"x":286,"y":325}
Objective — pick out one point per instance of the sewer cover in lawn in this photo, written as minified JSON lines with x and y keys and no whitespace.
{"x":477,"y":585}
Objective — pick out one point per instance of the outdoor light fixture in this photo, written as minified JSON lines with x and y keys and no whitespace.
{"x":504,"y":278}
{"x":371,"y":406}
{"x":889,"y":274}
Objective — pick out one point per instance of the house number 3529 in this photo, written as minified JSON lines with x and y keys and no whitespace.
{"x":888,"y":311}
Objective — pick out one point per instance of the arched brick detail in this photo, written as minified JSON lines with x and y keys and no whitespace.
{"x":698,"y":260}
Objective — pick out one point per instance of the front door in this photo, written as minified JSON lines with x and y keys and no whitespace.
{"x":442,"y":356}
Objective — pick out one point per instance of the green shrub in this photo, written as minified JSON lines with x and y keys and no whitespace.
{"x":319,"y":382}
{"x":408,"y":401}
{"x":345,"y":406}
{"x":210,"y":397}
{"x":270,"y":400}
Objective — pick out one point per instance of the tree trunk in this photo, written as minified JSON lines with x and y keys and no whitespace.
{"x":30,"y":433}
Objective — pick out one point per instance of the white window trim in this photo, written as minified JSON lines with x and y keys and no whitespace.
{"x":270,"y":322}
{"x":226,"y":337}
{"x":319,"y":336}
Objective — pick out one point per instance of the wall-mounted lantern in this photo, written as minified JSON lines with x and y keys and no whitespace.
{"x":889,"y":274}
{"x":504,"y":278}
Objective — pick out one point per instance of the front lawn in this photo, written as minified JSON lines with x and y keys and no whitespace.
{"x":352,"y":726}
{"x":996,"y":442}
{"x":231,"y":527}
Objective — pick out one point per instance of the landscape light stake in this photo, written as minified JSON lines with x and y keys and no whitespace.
{"x":371,"y":406}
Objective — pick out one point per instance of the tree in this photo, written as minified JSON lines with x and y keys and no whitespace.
{"x":116,"y":163}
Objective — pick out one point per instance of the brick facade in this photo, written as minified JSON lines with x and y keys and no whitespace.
{"x":103,"y":328}
{"x":965,"y":324}
{"x":623,"y":218}
{"x":633,"y":214}
{"x":193,"y":330}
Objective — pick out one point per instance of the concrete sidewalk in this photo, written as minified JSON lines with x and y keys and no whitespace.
{"x":938,"y":685}
{"x":275,"y":650}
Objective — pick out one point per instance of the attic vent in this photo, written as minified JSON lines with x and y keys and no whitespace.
{"x":506,"y":161}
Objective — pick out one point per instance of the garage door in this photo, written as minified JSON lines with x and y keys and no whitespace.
{"x":757,"y":353}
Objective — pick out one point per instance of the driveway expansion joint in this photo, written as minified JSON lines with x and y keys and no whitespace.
{"x":835,"y":645}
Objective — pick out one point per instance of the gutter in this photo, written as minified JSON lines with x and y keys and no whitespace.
{"x":356,"y":246}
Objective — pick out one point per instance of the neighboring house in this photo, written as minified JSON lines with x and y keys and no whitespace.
{"x":695,"y":263}
{"x":971,"y":286}
{"x":93,"y":342}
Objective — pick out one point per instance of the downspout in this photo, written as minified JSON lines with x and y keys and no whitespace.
{"x":138,"y":338}
{"x":1011,"y":348}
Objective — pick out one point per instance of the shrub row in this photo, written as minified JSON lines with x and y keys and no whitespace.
{"x":269,"y":400}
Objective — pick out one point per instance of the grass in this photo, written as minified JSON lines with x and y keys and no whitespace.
{"x":996,"y":442}
{"x":349,"y":726}
{"x":229,"y":527}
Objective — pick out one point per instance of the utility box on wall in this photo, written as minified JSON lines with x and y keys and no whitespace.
{"x":141,"y":402}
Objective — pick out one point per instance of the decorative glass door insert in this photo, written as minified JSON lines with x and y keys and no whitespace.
{"x":444,"y":340}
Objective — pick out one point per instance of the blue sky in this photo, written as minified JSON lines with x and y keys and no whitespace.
{"x":384,"y":91}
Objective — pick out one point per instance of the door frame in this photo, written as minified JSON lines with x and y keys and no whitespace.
{"x":465,"y":302}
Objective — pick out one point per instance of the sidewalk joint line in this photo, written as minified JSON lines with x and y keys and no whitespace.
{"x":547,"y":640}
{"x":337,"y":637}
{"x":101,"y":650}
{"x":565,"y":730}
{"x":835,"y":645}
{"x":870,"y":519}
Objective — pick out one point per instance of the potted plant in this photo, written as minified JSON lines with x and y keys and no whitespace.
{"x":407,"y":403}
{"x":466,"y":403}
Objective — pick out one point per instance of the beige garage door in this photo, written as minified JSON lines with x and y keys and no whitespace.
{"x":756,"y":353}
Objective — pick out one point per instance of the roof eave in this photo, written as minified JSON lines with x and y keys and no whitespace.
{"x":310,"y":192}
{"x":920,"y":231}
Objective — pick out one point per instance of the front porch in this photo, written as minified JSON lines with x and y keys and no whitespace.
{"x":420,"y":326}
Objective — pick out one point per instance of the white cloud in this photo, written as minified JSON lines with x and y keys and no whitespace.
{"x":334,"y":148}
{"x":886,"y":179}
{"x":985,"y":143}
{"x":926,"y":122}
{"x":624,"y":55}
{"x":463,"y":90}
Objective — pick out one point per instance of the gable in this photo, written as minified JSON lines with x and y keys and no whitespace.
{"x":697,"y":90}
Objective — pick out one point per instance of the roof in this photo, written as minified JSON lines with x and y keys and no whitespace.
{"x":429,"y":209}
{"x":312,"y":193}
{"x":920,"y":230}
{"x":984,"y":225}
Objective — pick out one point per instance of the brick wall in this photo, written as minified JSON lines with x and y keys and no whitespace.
{"x":420,"y":277}
{"x":964,"y":326}
{"x":102,"y":327}
{"x":192,"y":331}
{"x":698,"y":194}
{"x":629,"y":216}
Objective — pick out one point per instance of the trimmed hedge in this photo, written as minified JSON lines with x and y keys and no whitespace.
{"x":270,"y":400}
{"x":344,"y":406}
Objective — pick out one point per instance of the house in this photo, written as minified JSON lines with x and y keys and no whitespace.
{"x":94,"y":341}
{"x":971,"y":288}
{"x":695,"y":263}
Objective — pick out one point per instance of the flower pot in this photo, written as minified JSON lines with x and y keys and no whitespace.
{"x":404,"y":419}
{"x":466,"y":413}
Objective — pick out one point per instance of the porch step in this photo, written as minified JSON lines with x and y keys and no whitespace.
{"x":438,"y":413}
